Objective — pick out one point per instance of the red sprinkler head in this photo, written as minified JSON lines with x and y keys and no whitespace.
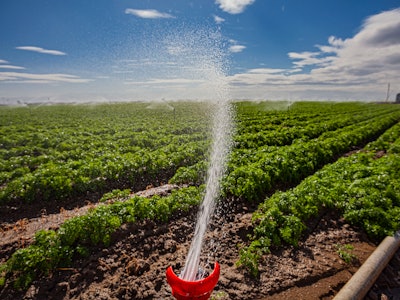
{"x":193,"y":290}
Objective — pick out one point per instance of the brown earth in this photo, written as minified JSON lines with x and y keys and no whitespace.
{"x":134,"y":266}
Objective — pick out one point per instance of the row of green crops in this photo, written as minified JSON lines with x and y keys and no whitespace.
{"x":56,"y":152}
{"x":363,"y":187}
{"x":289,"y":164}
{"x":255,"y":171}
{"x":288,"y":127}
{"x":52,"y":249}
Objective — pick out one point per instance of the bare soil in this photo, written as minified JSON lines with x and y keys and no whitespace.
{"x":134,"y":266}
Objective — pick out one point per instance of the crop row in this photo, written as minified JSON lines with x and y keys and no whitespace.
{"x":254,"y":172}
{"x":75,"y":177}
{"x":363,"y":187}
{"x":52,"y":249}
{"x":254,"y":154}
{"x":255,"y":118}
{"x":50,"y":153}
{"x":273,"y":129}
{"x":272,"y":133}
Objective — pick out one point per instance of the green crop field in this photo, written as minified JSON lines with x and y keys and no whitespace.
{"x":287,"y":159}
{"x":58,"y":152}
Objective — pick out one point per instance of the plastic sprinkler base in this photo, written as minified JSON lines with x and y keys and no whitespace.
{"x":194,"y":290}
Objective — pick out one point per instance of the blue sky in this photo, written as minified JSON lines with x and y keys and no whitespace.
{"x":152,"y":49}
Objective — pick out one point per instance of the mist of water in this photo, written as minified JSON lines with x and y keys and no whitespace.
{"x":221,"y":141}
{"x":182,"y":64}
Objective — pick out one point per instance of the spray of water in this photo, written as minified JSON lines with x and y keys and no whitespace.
{"x":221,"y":141}
{"x":220,"y":147}
{"x":184,"y":62}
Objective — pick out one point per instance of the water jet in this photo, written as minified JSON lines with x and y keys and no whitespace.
{"x":206,"y":49}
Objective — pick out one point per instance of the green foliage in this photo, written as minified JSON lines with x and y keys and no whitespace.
{"x":194,"y":174}
{"x":363,"y":187}
{"x":256,"y":168}
{"x":38,"y":259}
{"x":55,"y":249}
{"x":249,"y":258}
{"x":345,"y":252}
{"x":57,"y":152}
{"x":50,"y":153}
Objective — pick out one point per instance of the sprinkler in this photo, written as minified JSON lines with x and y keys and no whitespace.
{"x":193,"y":290}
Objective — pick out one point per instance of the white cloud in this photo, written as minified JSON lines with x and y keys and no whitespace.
{"x":373,"y":51}
{"x":2,"y":61}
{"x":234,"y":6}
{"x":304,"y":58}
{"x":11,"y":67}
{"x":265,"y":71}
{"x":40,"y":78}
{"x":40,"y":50}
{"x":236,"y":48}
{"x":218,"y":19}
{"x":148,"y":13}
{"x":359,"y":67}
{"x":310,"y":58}
{"x":336,"y":42}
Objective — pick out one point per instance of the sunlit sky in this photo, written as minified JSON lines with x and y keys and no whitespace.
{"x":113,"y":50}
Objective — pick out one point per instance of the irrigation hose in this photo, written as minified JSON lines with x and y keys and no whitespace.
{"x":361,"y":282}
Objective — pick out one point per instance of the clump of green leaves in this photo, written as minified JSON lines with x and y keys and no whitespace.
{"x":345,"y":252}
{"x":40,"y":258}
{"x":193,"y":174}
{"x":250,"y":257}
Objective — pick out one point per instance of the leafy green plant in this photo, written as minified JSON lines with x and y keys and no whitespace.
{"x":250,"y":257}
{"x":345,"y":252}
{"x":37,"y":259}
